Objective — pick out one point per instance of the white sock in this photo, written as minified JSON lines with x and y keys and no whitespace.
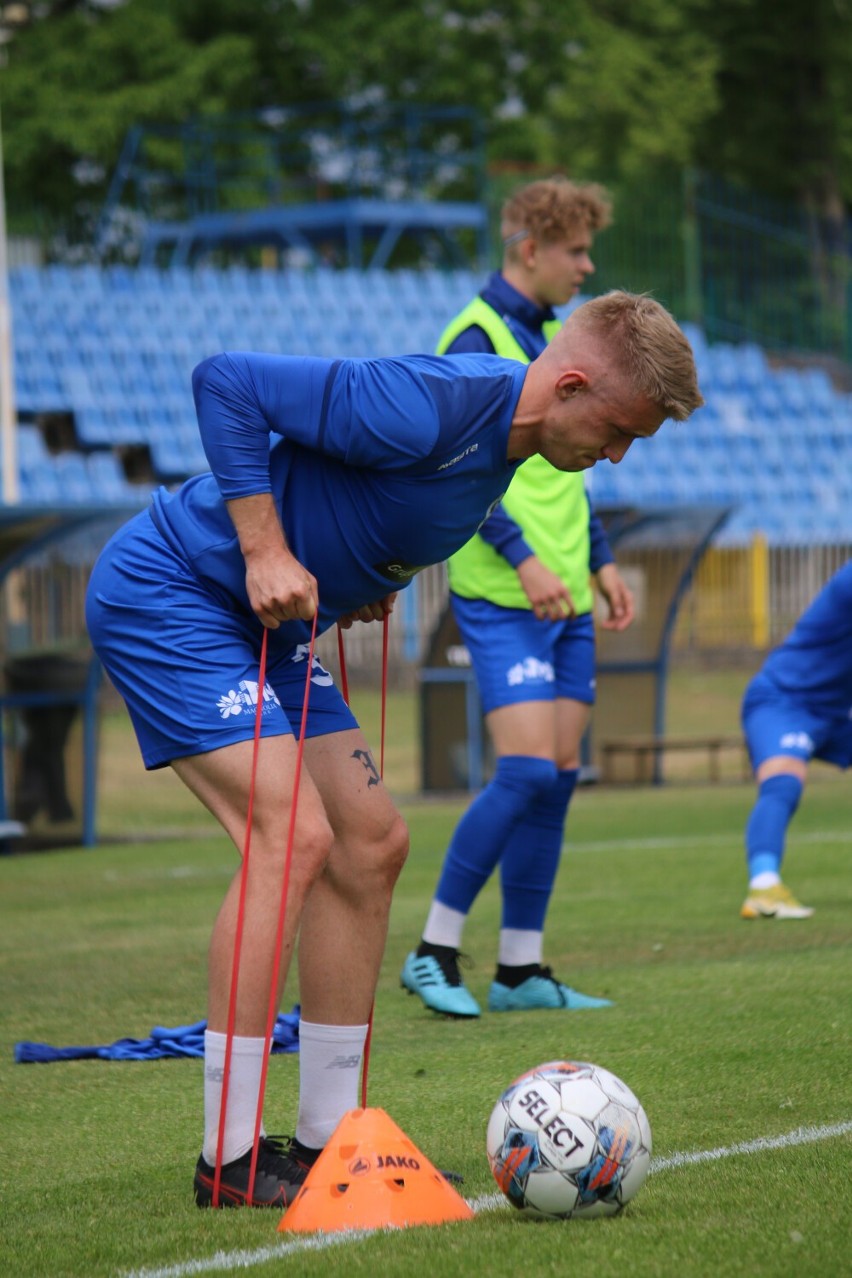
{"x":518,"y":947}
{"x":243,"y":1087}
{"x":444,"y":926}
{"x":329,"y":1076}
{"x":767,"y":879}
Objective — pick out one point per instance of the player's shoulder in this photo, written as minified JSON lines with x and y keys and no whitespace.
{"x":434,"y":374}
{"x":459,"y":364}
{"x":833,"y":605}
{"x":843,"y":578}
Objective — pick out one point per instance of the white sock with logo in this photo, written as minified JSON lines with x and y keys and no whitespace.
{"x":244,"y":1085}
{"x":329,"y":1076}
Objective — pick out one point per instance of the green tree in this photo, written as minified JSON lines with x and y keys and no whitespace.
{"x":575,"y":86}
{"x":78,"y":80}
{"x":617,"y":89}
{"x":783,"y":125}
{"x":782,"y":120}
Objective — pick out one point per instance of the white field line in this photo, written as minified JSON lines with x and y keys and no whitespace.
{"x":679,"y":842}
{"x":170,"y":872}
{"x":602,"y":845}
{"x":801,"y":1136}
{"x":233,"y":1261}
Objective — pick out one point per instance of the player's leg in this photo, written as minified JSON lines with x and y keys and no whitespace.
{"x":221,"y":780}
{"x":504,"y":647}
{"x":780,"y":784}
{"x":509,"y":651}
{"x":531,"y":857}
{"x":780,"y":743}
{"x":343,"y":929}
{"x":522,"y":736}
{"x":187,"y":666}
{"x":528,"y":870}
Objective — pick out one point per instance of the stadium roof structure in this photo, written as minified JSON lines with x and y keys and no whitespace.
{"x":333,"y":182}
{"x":28,"y":528}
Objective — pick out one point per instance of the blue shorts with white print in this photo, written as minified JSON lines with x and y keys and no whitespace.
{"x":517,"y":657}
{"x":186,"y":661}
{"x":776,"y":723}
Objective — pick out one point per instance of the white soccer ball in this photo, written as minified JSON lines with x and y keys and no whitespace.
{"x":568,"y":1139}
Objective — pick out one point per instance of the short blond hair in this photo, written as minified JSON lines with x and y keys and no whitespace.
{"x":645,"y":341}
{"x":555,"y":209}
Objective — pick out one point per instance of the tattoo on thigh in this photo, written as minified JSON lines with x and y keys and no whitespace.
{"x":366,"y":760}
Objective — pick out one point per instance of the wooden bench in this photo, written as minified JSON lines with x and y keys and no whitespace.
{"x":648,"y":753}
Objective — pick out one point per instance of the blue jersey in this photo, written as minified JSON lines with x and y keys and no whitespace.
{"x":377,"y":467}
{"x":814,"y":663}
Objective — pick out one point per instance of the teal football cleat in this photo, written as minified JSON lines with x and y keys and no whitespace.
{"x":540,"y":991}
{"x":437,"y":980}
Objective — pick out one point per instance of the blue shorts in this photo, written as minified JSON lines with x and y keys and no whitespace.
{"x":186,"y":660}
{"x":774,"y":723}
{"x":517,"y":657}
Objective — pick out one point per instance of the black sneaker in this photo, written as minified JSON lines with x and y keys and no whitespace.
{"x":282,"y":1166}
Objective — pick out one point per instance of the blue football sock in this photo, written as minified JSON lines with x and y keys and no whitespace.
{"x":480,"y":836}
{"x":766,"y":829}
{"x":531,"y":857}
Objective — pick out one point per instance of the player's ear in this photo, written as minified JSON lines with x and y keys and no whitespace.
{"x":570,"y":382}
{"x":527,"y":251}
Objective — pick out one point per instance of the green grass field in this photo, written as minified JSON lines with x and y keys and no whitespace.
{"x":729,"y":1032}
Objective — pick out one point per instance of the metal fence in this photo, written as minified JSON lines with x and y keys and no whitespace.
{"x":742,"y":602}
{"x":743,"y":266}
{"x":746,"y":599}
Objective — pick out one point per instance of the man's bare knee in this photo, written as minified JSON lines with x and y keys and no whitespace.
{"x":312,"y":843}
{"x":362,"y":867}
{"x":396,"y":846}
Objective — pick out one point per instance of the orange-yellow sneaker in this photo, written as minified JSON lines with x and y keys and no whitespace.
{"x":773,"y":903}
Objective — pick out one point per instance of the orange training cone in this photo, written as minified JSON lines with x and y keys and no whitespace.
{"x":371,"y":1176}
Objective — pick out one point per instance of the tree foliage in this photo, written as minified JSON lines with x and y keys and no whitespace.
{"x":783,"y":122}
{"x":596,"y":88}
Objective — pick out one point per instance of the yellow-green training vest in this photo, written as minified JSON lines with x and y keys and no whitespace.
{"x":549,"y":505}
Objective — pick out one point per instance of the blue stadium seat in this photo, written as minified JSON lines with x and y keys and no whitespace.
{"x":753,"y":365}
{"x":32,"y":451}
{"x":116,"y":347}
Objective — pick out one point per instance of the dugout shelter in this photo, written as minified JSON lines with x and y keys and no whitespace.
{"x":658,"y":552}
{"x":50,"y":679}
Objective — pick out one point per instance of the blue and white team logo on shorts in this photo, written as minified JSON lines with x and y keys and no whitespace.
{"x":243,"y":699}
{"x":319,"y":675}
{"x":530,"y":670}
